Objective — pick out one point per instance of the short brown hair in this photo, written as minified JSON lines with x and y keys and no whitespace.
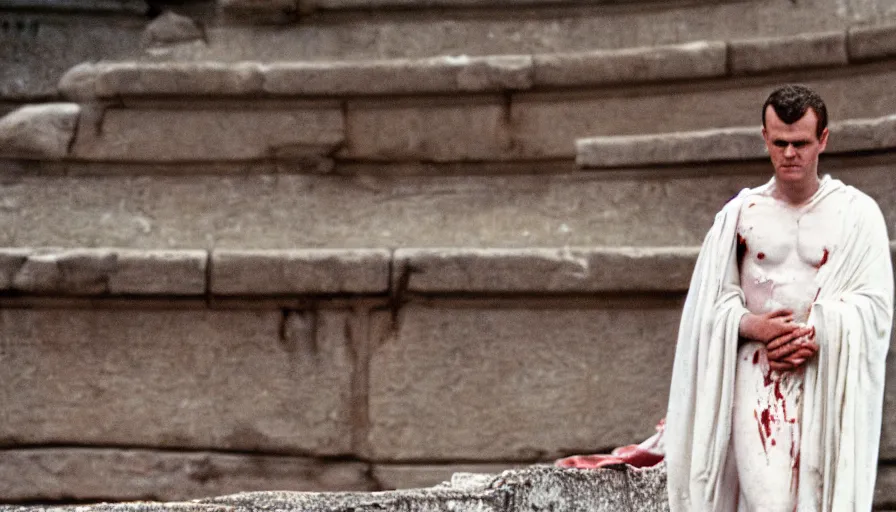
{"x":791,"y":103}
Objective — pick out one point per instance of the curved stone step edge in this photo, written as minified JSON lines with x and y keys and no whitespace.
{"x":223,"y":272}
{"x":493,"y":73}
{"x":724,"y":144}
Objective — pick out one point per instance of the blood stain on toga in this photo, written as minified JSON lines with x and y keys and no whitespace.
{"x":756,"y":357}
{"x":761,"y":255}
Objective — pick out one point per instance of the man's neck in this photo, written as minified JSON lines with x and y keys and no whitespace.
{"x":796,"y":193}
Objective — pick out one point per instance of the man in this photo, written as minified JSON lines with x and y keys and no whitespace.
{"x":777,"y":386}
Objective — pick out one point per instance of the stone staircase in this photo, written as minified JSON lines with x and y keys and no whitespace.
{"x":353,"y":246}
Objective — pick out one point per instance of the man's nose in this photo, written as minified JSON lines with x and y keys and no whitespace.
{"x":790,"y":151}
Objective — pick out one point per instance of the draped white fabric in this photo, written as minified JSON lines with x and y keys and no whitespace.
{"x":843,"y":391}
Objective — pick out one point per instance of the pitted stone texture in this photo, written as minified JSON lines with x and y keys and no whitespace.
{"x":312,"y":271}
{"x":42,"y":132}
{"x":171,"y":28}
{"x":649,"y":208}
{"x":671,"y":148}
{"x":414,"y":476}
{"x":103,"y":271}
{"x":135,"y":78}
{"x":866,"y":43}
{"x":51,"y":474}
{"x":427,"y":131}
{"x":195,"y":379}
{"x":545,"y":270}
{"x":434,"y":75}
{"x":210,"y":135}
{"x":533,"y":366}
{"x":781,"y":53}
{"x":120,"y":507}
{"x":546,"y":125}
{"x":694,"y":60}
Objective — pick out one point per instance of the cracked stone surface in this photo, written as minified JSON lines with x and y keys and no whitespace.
{"x":532,"y":489}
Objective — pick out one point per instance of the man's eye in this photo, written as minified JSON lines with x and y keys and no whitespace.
{"x":781,"y":143}
{"x":799,"y":144}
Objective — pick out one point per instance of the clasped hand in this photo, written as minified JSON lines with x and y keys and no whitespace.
{"x":789,"y":345}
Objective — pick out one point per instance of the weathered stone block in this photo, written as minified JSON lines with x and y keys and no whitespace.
{"x":538,"y":388}
{"x":866,"y":43}
{"x":604,"y":67}
{"x":41,"y":132}
{"x":311,"y":271}
{"x":136,"y":78}
{"x":863,"y":135}
{"x":103,"y":271}
{"x":779,"y":53}
{"x":401,"y":76}
{"x":209,"y":135}
{"x":429,"y":132}
{"x":226,"y":380}
{"x":671,"y":148}
{"x":545,"y":270}
{"x":885,"y":487}
{"x":171,"y":28}
{"x":89,"y":474}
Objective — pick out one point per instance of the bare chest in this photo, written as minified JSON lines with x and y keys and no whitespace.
{"x":774,"y":235}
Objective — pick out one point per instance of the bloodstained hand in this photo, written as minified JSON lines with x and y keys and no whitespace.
{"x":767,"y":326}
{"x":791,"y":350}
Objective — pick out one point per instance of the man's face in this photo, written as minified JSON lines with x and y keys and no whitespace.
{"x":794,"y":148}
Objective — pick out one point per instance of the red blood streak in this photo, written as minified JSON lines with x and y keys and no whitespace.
{"x":761,"y":255}
{"x":767,"y":380}
{"x":741,"y":247}
{"x":774,"y":443}
{"x":778,"y":395}
{"x":761,"y":434}
{"x":784,"y":411}
{"x":824,"y":258}
{"x":756,"y":357}
{"x":766,"y":421}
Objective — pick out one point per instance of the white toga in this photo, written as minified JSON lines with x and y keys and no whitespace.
{"x":828,"y":436}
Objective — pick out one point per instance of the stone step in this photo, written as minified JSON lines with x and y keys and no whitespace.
{"x":319,"y":272}
{"x":726,"y":144}
{"x":258,"y":208}
{"x":39,"y":43}
{"x":445,"y":110}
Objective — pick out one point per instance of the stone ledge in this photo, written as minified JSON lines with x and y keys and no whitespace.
{"x":607,"y":67}
{"x":781,"y":53}
{"x":868,"y":43}
{"x":463,"y":74}
{"x":545,"y":270}
{"x":527,"y":490}
{"x":725,"y":144}
{"x":300,"y":271}
{"x":102,"y":271}
{"x":401,"y":76}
